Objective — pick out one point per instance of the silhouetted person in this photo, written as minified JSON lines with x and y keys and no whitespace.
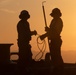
{"x":24,"y":37}
{"x":55,"y":41}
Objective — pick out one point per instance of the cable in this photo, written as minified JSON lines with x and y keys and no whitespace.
{"x":42,"y":49}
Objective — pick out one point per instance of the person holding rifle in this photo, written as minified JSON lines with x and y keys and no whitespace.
{"x":53,"y":33}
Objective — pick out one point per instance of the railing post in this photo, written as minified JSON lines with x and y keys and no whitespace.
{"x":5,"y":53}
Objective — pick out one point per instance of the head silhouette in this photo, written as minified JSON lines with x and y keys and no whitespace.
{"x":56,"y":13}
{"x":24,"y":14}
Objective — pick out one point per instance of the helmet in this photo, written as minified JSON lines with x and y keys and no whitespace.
{"x":56,"y":12}
{"x":24,"y":14}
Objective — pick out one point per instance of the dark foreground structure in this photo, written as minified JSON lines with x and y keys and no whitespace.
{"x":42,"y":67}
{"x":38,"y":68}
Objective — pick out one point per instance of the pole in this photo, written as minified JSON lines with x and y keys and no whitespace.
{"x":45,"y":18}
{"x":44,"y":13}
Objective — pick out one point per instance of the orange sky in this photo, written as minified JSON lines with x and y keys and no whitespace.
{"x":10,"y":9}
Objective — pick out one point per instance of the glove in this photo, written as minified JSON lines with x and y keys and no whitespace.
{"x":46,"y":29}
{"x":35,"y":32}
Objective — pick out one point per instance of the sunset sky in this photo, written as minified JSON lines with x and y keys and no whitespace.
{"x":10,"y":10}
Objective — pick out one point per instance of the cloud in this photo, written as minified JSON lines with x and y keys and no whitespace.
{"x":9,"y":6}
{"x":8,"y":11}
{"x":6,"y":2}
